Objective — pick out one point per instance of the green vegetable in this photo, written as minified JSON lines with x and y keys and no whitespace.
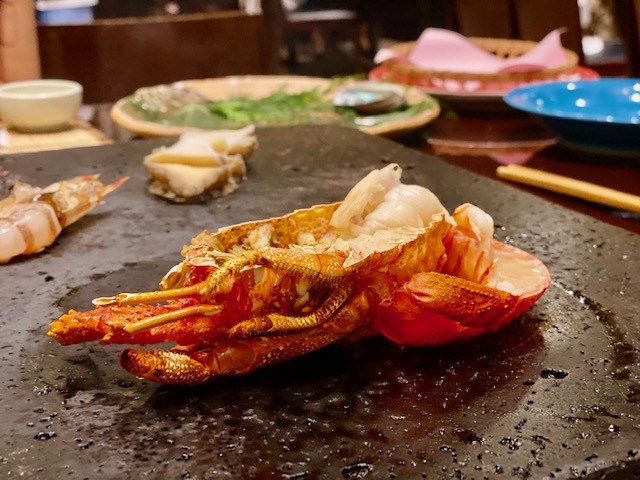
{"x":279,"y":108}
{"x":181,"y":108}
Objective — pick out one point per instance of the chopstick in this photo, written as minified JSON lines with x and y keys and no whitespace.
{"x":570,"y":186}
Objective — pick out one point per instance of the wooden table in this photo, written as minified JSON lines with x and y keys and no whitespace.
{"x":481,"y":143}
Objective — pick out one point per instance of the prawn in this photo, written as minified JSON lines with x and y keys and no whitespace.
{"x":31,"y":218}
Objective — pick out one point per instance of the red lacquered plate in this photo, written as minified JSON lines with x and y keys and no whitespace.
{"x":468,"y":91}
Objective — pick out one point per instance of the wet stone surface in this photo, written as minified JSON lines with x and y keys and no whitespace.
{"x":556,"y":394}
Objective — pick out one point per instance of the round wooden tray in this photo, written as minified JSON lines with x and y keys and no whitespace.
{"x":259,"y":86}
{"x":408,"y":74}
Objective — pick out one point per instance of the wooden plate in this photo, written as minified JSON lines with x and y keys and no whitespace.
{"x":259,"y":86}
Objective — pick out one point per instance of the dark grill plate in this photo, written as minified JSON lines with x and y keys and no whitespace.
{"x":554,"y":395}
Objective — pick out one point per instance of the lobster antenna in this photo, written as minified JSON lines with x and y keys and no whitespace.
{"x":157,"y":320}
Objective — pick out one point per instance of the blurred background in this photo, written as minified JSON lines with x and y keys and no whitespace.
{"x":113,"y":47}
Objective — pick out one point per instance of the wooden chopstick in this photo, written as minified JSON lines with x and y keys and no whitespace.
{"x":570,"y":186}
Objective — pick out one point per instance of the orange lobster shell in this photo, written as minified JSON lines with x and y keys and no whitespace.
{"x":257,"y":293}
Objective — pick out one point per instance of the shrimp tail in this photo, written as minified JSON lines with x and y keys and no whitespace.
{"x":73,"y":199}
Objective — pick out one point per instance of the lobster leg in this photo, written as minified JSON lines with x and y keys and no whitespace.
{"x":275,"y":322}
{"x":236,"y":357}
{"x":317,"y":267}
{"x":161,"y":319}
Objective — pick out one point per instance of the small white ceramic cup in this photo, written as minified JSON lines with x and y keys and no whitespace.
{"x":39,"y":105}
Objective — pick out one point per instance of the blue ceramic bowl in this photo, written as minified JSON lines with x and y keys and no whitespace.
{"x":595,"y":115}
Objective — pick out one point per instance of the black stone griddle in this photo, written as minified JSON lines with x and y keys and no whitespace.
{"x":554,"y":395}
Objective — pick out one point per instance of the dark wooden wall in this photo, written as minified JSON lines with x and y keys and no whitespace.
{"x":111,"y":58}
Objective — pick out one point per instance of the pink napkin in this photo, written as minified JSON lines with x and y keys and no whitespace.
{"x":444,"y":50}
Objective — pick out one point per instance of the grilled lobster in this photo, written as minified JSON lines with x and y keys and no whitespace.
{"x":388,"y":259}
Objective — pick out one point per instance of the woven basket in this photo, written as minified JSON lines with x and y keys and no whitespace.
{"x":402,"y":72}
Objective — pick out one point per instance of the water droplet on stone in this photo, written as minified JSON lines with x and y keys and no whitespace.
{"x":553,"y":373}
{"x":359,"y":470}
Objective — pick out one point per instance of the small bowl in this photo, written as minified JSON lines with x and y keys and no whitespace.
{"x":39,"y":105}
{"x":600,"y":116}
